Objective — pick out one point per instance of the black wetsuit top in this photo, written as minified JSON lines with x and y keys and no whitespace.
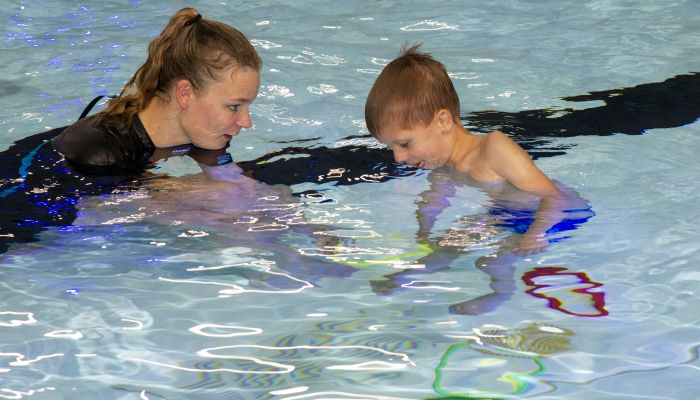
{"x":97,"y":145}
{"x":39,"y":190}
{"x":44,"y":176}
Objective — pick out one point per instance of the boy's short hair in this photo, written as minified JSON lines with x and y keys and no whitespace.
{"x":408,"y":93}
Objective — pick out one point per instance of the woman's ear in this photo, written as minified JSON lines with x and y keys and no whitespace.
{"x":184,"y":92}
{"x":445,"y":120}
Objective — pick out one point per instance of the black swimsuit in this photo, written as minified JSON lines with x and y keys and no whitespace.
{"x":96,"y":146}
{"x":44,"y":176}
{"x":38,"y":189}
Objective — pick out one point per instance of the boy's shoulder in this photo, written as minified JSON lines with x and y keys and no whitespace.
{"x":496,"y":137}
{"x":495,"y":150}
{"x":498,"y":142}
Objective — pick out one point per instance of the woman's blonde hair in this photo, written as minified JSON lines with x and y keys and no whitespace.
{"x":189,"y":47}
{"x":408,"y":93}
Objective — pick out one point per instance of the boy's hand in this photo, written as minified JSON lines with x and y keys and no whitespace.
{"x":529,"y":243}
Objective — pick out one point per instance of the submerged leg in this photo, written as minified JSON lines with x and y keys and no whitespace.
{"x":500,"y":268}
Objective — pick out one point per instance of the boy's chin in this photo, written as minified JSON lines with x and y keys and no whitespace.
{"x":430,"y":167}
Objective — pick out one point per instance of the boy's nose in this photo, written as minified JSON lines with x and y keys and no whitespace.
{"x":399,"y":156}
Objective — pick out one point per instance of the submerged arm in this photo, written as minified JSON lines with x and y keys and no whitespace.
{"x":512,"y":163}
{"x":217,"y":164}
{"x":433,"y":201}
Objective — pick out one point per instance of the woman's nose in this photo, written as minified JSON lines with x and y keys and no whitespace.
{"x":244,"y":120}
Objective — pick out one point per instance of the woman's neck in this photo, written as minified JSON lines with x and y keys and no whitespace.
{"x":161,"y":123}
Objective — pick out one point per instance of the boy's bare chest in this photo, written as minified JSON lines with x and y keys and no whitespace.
{"x":483,"y":173}
{"x":476,"y":165}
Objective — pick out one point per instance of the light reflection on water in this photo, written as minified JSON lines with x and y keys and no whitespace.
{"x":243,"y":290}
{"x":359,"y":310}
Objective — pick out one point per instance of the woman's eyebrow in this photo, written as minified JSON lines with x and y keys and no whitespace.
{"x":241,"y":100}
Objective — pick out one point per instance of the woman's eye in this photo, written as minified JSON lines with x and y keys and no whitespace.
{"x":234,"y":107}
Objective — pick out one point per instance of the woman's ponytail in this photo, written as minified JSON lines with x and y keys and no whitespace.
{"x":186,"y":49}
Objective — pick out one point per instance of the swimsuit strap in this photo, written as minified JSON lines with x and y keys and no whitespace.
{"x":92,"y":104}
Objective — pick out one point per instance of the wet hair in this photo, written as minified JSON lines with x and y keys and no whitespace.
{"x":189,"y":47}
{"x":409,"y":92}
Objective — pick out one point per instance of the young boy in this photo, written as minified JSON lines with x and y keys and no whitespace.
{"x":414,"y":109}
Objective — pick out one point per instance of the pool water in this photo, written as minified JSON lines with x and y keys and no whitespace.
{"x":314,"y":285}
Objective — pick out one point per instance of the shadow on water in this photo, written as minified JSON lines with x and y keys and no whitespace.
{"x":37,"y":192}
{"x":8,"y":88}
{"x":630,"y":111}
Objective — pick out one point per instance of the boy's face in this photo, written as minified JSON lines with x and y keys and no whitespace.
{"x":422,"y":146}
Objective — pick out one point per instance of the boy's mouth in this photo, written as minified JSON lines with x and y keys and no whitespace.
{"x":420,"y":164}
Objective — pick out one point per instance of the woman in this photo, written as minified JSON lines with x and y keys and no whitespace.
{"x":195,"y":88}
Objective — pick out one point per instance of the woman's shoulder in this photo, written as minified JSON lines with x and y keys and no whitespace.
{"x":89,"y":127}
{"x":102,"y":141}
{"x":85,"y":142}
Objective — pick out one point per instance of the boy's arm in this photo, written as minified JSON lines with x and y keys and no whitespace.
{"x":511,"y":162}
{"x":433,"y":201}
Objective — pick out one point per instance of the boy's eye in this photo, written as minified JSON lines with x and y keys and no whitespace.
{"x":404,"y":145}
{"x":234,"y":107}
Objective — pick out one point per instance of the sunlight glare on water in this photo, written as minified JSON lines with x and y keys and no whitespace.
{"x":320,"y":288}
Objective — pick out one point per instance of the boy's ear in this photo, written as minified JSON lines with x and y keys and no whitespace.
{"x":445,"y":120}
{"x":184,"y":93}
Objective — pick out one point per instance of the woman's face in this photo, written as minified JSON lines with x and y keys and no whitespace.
{"x":217,"y":114}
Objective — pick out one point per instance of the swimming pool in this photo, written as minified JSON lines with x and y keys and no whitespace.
{"x":208,"y":294}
